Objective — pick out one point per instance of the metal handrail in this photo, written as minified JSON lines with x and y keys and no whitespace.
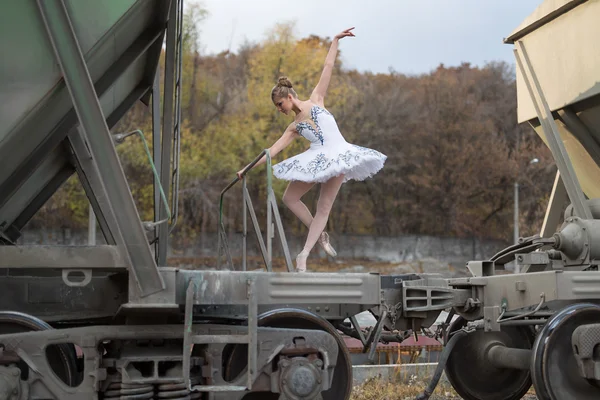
{"x":247,"y":202}
{"x":119,"y":138}
{"x":237,"y":179}
{"x":221,"y":230}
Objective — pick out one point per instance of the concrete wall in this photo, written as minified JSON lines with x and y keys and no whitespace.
{"x":395,"y":250}
{"x":401,"y":249}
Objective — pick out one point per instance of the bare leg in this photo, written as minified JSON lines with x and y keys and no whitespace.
{"x":329,"y":191}
{"x":291,"y":198}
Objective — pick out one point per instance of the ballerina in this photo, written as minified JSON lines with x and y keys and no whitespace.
{"x":330,"y":160}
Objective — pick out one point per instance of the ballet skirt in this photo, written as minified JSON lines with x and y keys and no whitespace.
{"x":329,"y":154}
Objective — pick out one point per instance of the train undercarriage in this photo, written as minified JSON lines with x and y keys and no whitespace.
{"x":114,"y":322}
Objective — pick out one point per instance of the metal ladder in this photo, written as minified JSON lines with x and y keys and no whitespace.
{"x":272,"y":213}
{"x":190,"y":339}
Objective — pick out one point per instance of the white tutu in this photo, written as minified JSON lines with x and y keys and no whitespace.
{"x":329,"y":154}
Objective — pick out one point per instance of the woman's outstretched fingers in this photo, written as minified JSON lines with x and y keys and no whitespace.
{"x":345,"y":33}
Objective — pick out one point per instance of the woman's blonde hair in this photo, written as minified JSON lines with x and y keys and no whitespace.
{"x":282,"y":89}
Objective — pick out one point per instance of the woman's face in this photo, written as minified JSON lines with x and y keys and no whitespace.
{"x":284,"y":104}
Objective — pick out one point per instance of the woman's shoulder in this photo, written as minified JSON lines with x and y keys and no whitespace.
{"x":319,"y":104}
{"x":302,"y":116}
{"x":308,"y":106}
{"x":309,"y":114}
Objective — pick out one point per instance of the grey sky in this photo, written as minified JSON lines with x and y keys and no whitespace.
{"x":411,"y":36}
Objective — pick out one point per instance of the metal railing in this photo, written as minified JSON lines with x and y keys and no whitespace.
{"x":272,"y":213}
{"x":120,"y":138}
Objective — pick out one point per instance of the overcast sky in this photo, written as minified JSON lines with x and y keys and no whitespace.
{"x":410,"y":36}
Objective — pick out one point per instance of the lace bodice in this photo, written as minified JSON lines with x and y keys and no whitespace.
{"x":323,"y":130}
{"x":329,"y":154}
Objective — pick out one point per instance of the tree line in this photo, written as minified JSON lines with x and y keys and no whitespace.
{"x":454,"y":147}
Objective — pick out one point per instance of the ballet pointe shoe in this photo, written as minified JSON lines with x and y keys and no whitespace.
{"x":324,"y":242}
{"x":301,"y":261}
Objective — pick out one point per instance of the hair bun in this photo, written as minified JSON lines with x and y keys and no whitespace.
{"x":285,"y":82}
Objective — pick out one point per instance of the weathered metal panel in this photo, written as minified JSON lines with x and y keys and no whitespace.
{"x":49,"y":168}
{"x":564,"y":53}
{"x":93,"y":124}
{"x":327,"y":310}
{"x":48,"y":298}
{"x":123,"y":86}
{"x":76,"y":257}
{"x":579,"y":285}
{"x":93,"y":19}
{"x":561,"y":42}
{"x":30,"y":76}
{"x":165,"y":299}
{"x":495,"y":289}
{"x":27,"y":76}
{"x":227,"y":287}
{"x":36,"y":101}
{"x":585,"y":167}
{"x":544,"y":13}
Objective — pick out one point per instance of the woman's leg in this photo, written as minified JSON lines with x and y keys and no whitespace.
{"x":329,"y":191}
{"x":291,"y":199}
{"x":292,"y":196}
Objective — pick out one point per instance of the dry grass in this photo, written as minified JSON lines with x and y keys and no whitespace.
{"x":377,"y":389}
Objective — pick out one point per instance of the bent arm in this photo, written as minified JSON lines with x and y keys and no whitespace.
{"x":284,"y":141}
{"x":318,"y":94}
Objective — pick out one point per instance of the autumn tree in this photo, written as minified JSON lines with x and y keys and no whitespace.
{"x":451,"y":136}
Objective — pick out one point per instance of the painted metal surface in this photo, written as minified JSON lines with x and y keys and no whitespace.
{"x":225,"y":287}
{"x":551,"y":132}
{"x":571,"y":35}
{"x":102,"y":257}
{"x":48,"y":298}
{"x":32,"y":78}
{"x":52,"y":166}
{"x":558,"y":196}
{"x":93,"y":123}
{"x":121,"y":64}
{"x":91,"y":20}
{"x":544,"y":13}
{"x":167,"y":128}
{"x":561,"y":42}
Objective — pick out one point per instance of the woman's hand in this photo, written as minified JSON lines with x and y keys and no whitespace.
{"x":240,"y":173}
{"x":345,"y":33}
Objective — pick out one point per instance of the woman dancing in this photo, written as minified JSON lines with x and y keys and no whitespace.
{"x":330,"y":160}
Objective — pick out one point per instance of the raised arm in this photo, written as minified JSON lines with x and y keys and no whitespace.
{"x":318,"y":94}
{"x":281,"y":143}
